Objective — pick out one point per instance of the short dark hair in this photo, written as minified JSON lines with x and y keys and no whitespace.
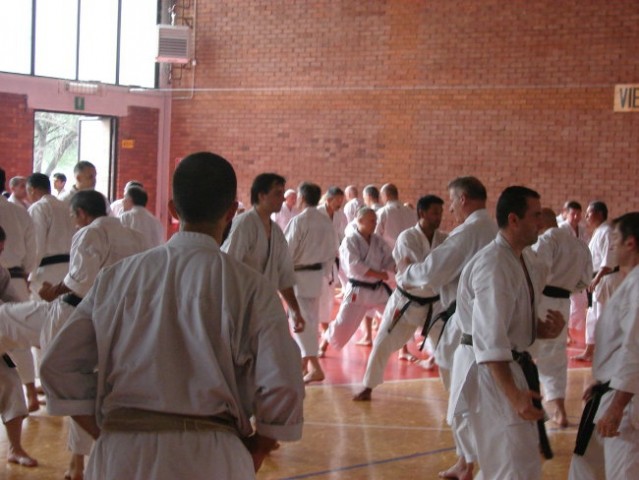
{"x":91,"y":201}
{"x":204,"y":187}
{"x":424,"y":203}
{"x":263,"y":184}
{"x":513,"y":200}
{"x":60,"y":176}
{"x":628,"y":226}
{"x":372,"y":191}
{"x":310,"y":193}
{"x":39,"y":181}
{"x":572,"y":205}
{"x":333,"y":192}
{"x":601,"y":208}
{"x":469,"y":186}
{"x":81,"y":165}
{"x":390,"y":190}
{"x":3,"y":235}
{"x":138,"y":196}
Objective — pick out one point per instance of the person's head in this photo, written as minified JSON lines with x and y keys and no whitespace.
{"x":86,"y":206}
{"x":389,"y":193}
{"x":3,"y":238}
{"x":38,"y":185}
{"x":267,"y":192}
{"x":85,"y":175}
{"x":370,"y":194}
{"x":350,"y":192}
{"x":134,"y":197}
{"x":626,"y":239}
{"x":334,"y":198}
{"x":18,"y":187}
{"x":518,"y":215}
{"x":596,"y":214}
{"x":366,"y":221}
{"x":132,"y":183}
{"x":467,"y":194}
{"x":309,"y":194}
{"x":429,"y":211}
{"x":572,"y":213}
{"x":59,"y":181}
{"x":547,"y":220}
{"x":204,"y":190}
{"x":290,"y":198}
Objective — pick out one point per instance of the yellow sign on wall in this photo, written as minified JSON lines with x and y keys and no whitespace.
{"x":128,"y":143}
{"x":627,"y":98}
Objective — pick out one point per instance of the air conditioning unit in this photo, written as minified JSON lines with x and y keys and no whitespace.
{"x":174,"y":44}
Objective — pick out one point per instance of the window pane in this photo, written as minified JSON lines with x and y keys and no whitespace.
{"x":139,"y":42}
{"x":15,"y":38}
{"x":98,"y":40}
{"x":56,"y":38}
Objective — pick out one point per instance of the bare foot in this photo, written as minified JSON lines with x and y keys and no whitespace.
{"x":461,"y":470}
{"x":582,"y":357}
{"x":32,"y":398}
{"x":427,"y":364}
{"x":560,"y":419}
{"x":364,"y":342}
{"x":363,"y":396}
{"x":22,"y":458}
{"x":314,"y":376}
{"x":408,"y":357}
{"x":322,"y":349}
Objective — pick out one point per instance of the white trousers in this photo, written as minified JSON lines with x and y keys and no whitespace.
{"x":307,"y":339}
{"x":592,"y":317}
{"x":23,"y":357}
{"x":12,"y":404}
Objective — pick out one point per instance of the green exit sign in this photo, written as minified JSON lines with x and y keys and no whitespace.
{"x":78,"y":103}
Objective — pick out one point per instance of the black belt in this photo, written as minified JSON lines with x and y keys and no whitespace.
{"x":531,"y":373}
{"x":556,"y":292}
{"x":589,"y":294}
{"x":371,"y":286}
{"x":422,"y":301}
{"x":55,"y":259}
{"x":72,"y":299}
{"x":313,"y":267}
{"x":443,"y":317}
{"x":8,"y":361}
{"x":587,"y":424}
{"x":17,"y":272}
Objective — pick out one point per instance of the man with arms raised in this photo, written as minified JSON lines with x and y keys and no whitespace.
{"x":183,"y":344}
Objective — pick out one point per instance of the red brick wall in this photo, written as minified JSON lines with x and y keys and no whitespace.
{"x":418,"y":92}
{"x":16,"y":136}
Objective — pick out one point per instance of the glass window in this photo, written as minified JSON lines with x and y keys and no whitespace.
{"x":56,"y":38}
{"x":15,"y":38}
{"x":98,"y":40}
{"x":139,"y":42}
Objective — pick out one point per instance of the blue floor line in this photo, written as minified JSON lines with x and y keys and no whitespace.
{"x":378,"y":462}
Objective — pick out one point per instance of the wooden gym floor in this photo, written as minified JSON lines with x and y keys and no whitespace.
{"x":401,"y":433}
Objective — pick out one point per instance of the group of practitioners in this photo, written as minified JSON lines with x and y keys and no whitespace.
{"x":162,"y":352}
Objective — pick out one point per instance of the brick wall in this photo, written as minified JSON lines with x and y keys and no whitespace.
{"x":417,"y":93}
{"x":16,"y":136}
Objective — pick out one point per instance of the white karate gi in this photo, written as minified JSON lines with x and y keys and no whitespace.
{"x":568,"y":264}
{"x":494,"y":305}
{"x":392,"y":219}
{"x":616,"y":359}
{"x":140,"y":219}
{"x":311,"y":240}
{"x":603,"y":255}
{"x":351,"y":208}
{"x":413,"y":244}
{"x":180,"y":329}
{"x":357,"y":256}
{"x":284,"y":215}
{"x":337,"y":276}
{"x":247,"y":242}
{"x":21,"y":203}
{"x":54,"y":230}
{"x":117,"y":207}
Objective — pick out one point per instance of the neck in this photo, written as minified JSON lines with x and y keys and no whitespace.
{"x":214,"y":230}
{"x":517,"y":246}
{"x":428,"y":231}
{"x":367,"y":237}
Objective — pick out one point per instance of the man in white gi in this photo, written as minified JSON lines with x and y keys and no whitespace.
{"x":136,"y":216}
{"x":312,"y":242}
{"x":172,"y":351}
{"x":568,"y":265}
{"x":353,"y":203}
{"x":440,"y":271}
{"x":117,"y":206}
{"x":368,"y":264}
{"x":603,"y":263}
{"x":19,"y":257}
{"x":289,"y":209}
{"x":59,"y":181}
{"x":54,"y":229}
{"x":612,"y":397}
{"x":85,"y":179}
{"x":406,"y":310}
{"x":18,"y":187}
{"x":13,"y":408}
{"x":370,"y":194}
{"x":496,"y":310}
{"x":258,"y":242}
{"x":393,"y":218}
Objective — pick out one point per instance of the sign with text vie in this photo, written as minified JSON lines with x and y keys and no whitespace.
{"x":627,"y":98}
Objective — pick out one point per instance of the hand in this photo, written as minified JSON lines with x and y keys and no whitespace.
{"x":608,"y":425}
{"x":524,"y":407}
{"x":48,"y":292}
{"x":298,"y":321}
{"x":587,"y":395}
{"x":552,"y":326}
{"x":259,"y":447}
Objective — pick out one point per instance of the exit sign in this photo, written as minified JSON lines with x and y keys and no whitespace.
{"x":78,"y":103}
{"x":627,"y":98}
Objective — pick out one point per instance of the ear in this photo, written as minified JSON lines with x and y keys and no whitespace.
{"x":230,"y":213}
{"x":172,"y":209}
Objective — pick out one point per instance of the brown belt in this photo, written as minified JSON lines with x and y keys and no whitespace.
{"x":135,"y":420}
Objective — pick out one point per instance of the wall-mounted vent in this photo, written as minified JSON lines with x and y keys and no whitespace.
{"x":174,"y":44}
